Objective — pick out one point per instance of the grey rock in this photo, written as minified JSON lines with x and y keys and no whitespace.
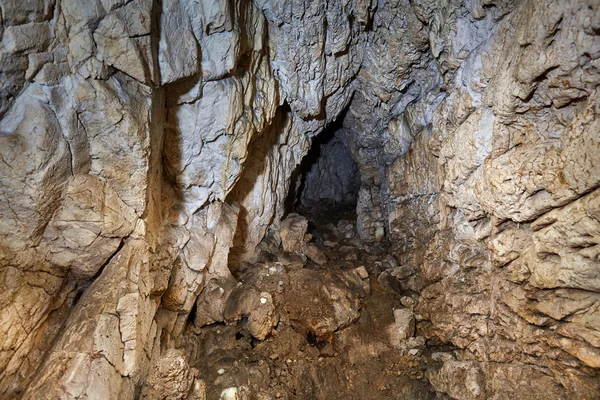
{"x":402,"y":329}
{"x":293,"y":229}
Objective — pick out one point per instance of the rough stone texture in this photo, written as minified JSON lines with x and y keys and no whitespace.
{"x":315,"y":254}
{"x":333,"y":307}
{"x":88,"y":227}
{"x":509,"y":139}
{"x":104,"y":348}
{"x":333,"y":177}
{"x":293,"y":229}
{"x":403,"y":327}
{"x":173,"y":379}
{"x":264,"y":182}
{"x":257,"y":306}
{"x":146,"y":149}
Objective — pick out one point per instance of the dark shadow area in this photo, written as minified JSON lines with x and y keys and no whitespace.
{"x":255,"y":166}
{"x":327,"y":180}
{"x":308,"y":162}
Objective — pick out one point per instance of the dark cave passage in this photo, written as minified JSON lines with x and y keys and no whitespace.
{"x":327,"y":181}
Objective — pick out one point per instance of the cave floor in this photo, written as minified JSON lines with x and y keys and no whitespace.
{"x":333,"y":336}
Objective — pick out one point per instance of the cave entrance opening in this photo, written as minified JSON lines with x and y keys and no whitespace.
{"x":325,"y":186}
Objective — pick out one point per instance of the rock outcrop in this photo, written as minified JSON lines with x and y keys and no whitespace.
{"x":147,"y":150}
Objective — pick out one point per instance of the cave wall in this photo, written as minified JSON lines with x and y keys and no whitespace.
{"x":506,"y":278}
{"x":145,"y":143}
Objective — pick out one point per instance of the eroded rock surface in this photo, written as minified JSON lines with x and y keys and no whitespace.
{"x":147,"y":151}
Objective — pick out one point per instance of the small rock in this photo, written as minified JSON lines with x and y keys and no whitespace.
{"x":315,"y":254}
{"x":402,"y":272}
{"x":327,"y":350}
{"x":364,"y":275}
{"x":345,"y":229}
{"x":403,"y":327}
{"x":388,"y":281}
{"x":351,"y":257}
{"x":276,"y":268}
{"x":362,"y":272}
{"x":257,"y":306}
{"x":416,"y":342}
{"x":328,"y":243}
{"x":377,"y":267}
{"x":212,"y":301}
{"x":408,"y":302}
{"x":198,"y":390}
{"x":414,"y":352}
{"x":442,"y":356}
{"x":293,"y":229}
{"x":331,"y":227}
{"x":229,"y":394}
{"x":389,"y":262}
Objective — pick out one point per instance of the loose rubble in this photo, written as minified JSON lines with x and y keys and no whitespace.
{"x":291,"y":322}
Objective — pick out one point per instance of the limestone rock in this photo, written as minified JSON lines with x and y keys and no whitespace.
{"x":211,"y":303}
{"x":130,"y":132}
{"x":246,"y":301}
{"x":235,"y":393}
{"x":123,"y":40}
{"x":403,"y":327}
{"x":468,"y":380}
{"x":107,"y":336}
{"x":88,"y":227}
{"x":462,"y":380}
{"x":171,"y":378}
{"x":178,"y":50}
{"x":313,"y":252}
{"x":36,"y":166}
{"x":568,"y":236}
{"x":293,"y":229}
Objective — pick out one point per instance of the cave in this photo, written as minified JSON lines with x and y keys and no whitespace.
{"x":300,"y":200}
{"x":326,"y":183}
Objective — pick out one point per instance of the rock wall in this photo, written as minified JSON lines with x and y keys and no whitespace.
{"x":146,"y":146}
{"x":514,"y":145}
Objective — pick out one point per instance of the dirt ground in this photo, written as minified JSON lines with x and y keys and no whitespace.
{"x":320,"y":348}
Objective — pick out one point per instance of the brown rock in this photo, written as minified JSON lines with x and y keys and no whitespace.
{"x":314,"y":253}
